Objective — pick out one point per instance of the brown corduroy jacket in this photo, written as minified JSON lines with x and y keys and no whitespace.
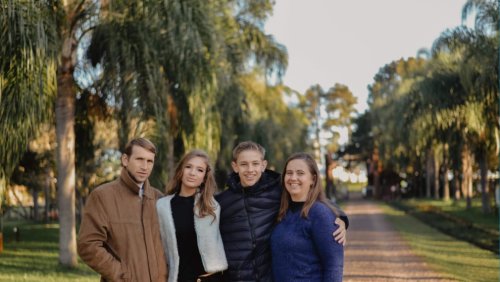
{"x":119,"y":236}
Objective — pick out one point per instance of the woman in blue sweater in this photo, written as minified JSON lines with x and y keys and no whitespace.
{"x":302,"y":245}
{"x":189,"y":222}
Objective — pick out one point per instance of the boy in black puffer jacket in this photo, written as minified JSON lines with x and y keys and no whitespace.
{"x":249,"y":208}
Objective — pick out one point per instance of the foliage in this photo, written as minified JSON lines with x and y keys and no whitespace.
{"x":27,"y":78}
{"x":440,"y":111}
{"x":327,"y":111}
{"x":361,"y":139}
{"x":280,"y":128}
{"x":176,"y":64}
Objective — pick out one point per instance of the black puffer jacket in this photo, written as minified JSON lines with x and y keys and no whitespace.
{"x":246,"y":221}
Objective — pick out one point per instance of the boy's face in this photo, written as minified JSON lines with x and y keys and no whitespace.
{"x":249,"y":166}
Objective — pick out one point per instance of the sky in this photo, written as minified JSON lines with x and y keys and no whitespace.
{"x":348,"y":41}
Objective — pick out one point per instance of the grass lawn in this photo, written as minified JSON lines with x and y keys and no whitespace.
{"x":452,"y":218}
{"x":35,"y":256}
{"x":457,"y":209}
{"x":458,"y":259}
{"x":355,"y":187}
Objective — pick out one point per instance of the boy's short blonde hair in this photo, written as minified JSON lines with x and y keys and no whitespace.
{"x":248,"y":146}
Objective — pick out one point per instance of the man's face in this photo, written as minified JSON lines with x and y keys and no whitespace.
{"x":139,"y":164}
{"x":249,"y":166}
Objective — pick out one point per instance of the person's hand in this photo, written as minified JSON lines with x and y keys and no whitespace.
{"x":341,"y":232}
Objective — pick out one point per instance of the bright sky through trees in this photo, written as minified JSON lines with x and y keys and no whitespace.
{"x":347,"y":41}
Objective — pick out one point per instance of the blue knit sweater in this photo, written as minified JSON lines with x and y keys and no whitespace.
{"x":303,"y":249}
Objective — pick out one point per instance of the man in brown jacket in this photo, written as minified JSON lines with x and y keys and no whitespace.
{"x":119,"y":236}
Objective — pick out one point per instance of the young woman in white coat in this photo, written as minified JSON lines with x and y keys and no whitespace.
{"x":189,"y":222}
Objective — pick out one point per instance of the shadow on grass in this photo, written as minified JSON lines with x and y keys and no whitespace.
{"x":454,"y":223}
{"x":443,"y":252}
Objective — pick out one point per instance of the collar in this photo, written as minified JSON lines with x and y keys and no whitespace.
{"x":127,"y":181}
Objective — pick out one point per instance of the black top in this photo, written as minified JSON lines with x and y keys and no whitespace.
{"x":190,"y":265}
{"x":295,"y":206}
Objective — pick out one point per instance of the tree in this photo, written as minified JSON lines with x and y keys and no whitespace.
{"x":280,"y":127}
{"x":245,"y":47}
{"x":339,"y":108}
{"x":27,"y":80}
{"x":72,"y":17}
{"x":481,"y":77}
{"x":156,"y":64}
{"x":157,"y":58}
{"x":326,"y":112}
{"x":476,"y":54}
{"x":384,"y":95}
{"x":46,"y":35}
{"x":35,"y":167}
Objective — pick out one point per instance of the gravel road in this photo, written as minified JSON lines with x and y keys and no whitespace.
{"x":376,"y":252}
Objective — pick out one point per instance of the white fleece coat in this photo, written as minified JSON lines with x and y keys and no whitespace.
{"x":207,"y":234}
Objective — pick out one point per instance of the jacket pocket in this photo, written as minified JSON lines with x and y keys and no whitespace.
{"x":125,"y":275}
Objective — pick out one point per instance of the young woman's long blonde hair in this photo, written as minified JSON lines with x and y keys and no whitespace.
{"x":207,"y":188}
{"x":316,"y":192}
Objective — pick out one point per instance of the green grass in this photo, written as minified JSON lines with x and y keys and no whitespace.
{"x":445,"y":254}
{"x":35,"y":256}
{"x":452,"y":218}
{"x":457,"y":209}
{"x":355,"y":187}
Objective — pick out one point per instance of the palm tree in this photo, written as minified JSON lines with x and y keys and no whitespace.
{"x":161,"y":58}
{"x":478,"y":75}
{"x":245,"y":46}
{"x":27,"y":80}
{"x":45,"y":35}
{"x":482,"y":78}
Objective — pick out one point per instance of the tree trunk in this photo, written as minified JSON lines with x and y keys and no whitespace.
{"x":428,"y":172}
{"x":48,"y":181}
{"x":467,"y":175}
{"x":172,"y":131}
{"x":456,"y":185}
{"x":376,"y":170}
{"x":65,"y":122}
{"x":330,"y":190}
{"x":125,"y":123}
{"x":35,"y":193}
{"x":483,"y":167}
{"x":3,"y":187}
{"x":436,"y":177}
{"x":446,"y":183}
{"x":416,"y":179}
{"x":170,"y":157}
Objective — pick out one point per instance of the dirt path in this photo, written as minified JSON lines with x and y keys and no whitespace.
{"x":376,"y":252}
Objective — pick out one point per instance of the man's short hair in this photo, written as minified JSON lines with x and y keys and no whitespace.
{"x":248,"y":146}
{"x":141,"y":142}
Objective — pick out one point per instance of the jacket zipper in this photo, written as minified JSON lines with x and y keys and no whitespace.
{"x":144,"y":237}
{"x":252,"y":230}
